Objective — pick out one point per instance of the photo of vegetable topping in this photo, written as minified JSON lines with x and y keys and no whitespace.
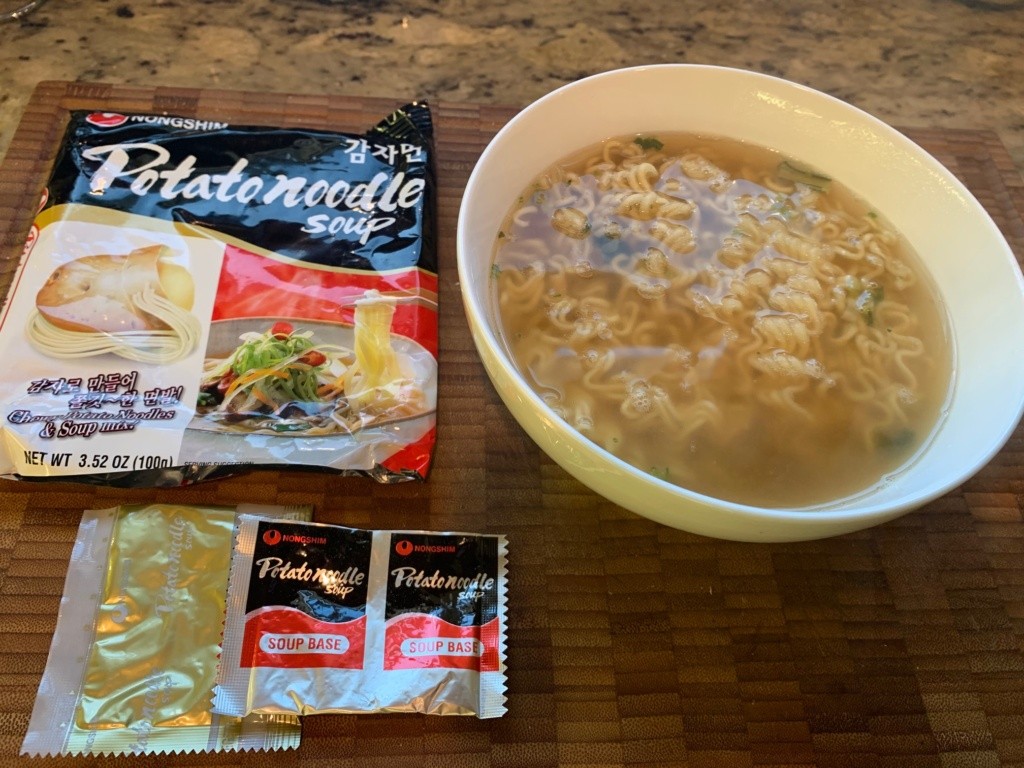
{"x":285,"y":380}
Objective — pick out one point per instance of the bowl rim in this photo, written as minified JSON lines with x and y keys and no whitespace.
{"x":825,"y":512}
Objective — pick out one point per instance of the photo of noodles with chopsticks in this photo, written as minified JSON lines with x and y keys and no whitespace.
{"x":317,"y":379}
{"x":136,"y":306}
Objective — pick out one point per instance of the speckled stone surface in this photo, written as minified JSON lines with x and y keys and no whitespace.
{"x":956,"y":63}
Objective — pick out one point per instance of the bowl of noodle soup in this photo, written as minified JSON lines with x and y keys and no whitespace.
{"x":738,"y":306}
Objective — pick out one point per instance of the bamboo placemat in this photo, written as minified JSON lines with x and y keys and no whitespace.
{"x":630,"y":643}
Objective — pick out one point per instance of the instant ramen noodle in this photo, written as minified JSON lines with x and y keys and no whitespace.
{"x":723,"y":318}
{"x":134,"y":655}
{"x":197,"y":298}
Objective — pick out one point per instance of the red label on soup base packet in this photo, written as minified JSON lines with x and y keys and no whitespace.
{"x":288,"y":638}
{"x":426,"y":642}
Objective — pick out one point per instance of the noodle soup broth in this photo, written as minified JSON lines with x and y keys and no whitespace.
{"x":723,"y":318}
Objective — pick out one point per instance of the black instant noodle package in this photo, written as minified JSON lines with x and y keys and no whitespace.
{"x":196,"y":299}
{"x":328,"y":619}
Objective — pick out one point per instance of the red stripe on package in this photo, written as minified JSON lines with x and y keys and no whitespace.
{"x":423,"y":641}
{"x":328,"y":619}
{"x":288,"y":637}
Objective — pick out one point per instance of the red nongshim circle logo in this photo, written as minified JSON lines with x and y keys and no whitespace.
{"x":404,"y":547}
{"x":272,"y":537}
{"x":106,"y":119}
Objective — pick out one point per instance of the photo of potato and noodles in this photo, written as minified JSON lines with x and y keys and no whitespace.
{"x":288,"y":379}
{"x":136,"y":305}
{"x":722,"y":318}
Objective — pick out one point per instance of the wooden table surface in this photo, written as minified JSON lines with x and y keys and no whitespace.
{"x":629,"y":643}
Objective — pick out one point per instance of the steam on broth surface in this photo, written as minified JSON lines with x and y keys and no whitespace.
{"x":722,"y":318}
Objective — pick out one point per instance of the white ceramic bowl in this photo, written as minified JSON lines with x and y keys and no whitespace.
{"x":971,"y":263}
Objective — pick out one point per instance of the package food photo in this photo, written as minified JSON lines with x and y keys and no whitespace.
{"x":196,"y":299}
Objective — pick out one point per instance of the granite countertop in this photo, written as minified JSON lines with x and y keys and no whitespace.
{"x":927,"y":63}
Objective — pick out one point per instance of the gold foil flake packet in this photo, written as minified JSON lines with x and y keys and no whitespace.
{"x":133,"y":660}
